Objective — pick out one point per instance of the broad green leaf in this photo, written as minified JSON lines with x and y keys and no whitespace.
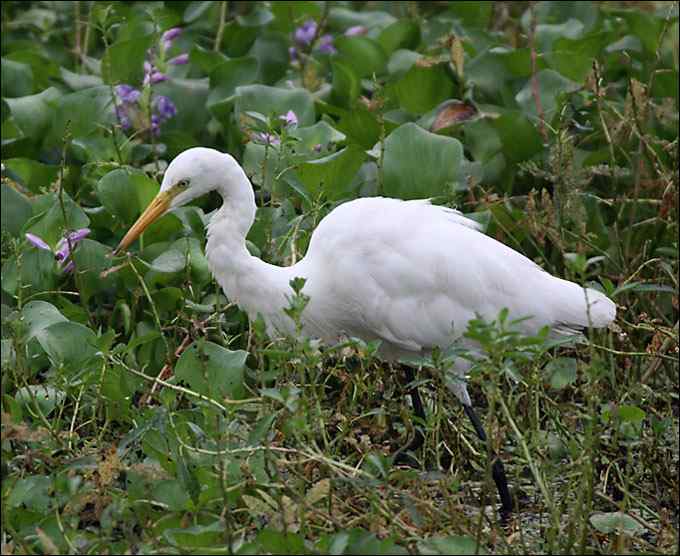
{"x":17,"y":79}
{"x":123,"y":61}
{"x":332,"y":174}
{"x":32,"y":114}
{"x":365,"y":55}
{"x":51,"y":225}
{"x":631,"y":413}
{"x":82,"y":113}
{"x":212,"y":370}
{"x":423,"y":88}
{"x":346,"y":85}
{"x":519,"y":137}
{"x":31,"y":173}
{"x":91,"y":259}
{"x":189,"y":96}
{"x":126,"y":193}
{"x":321,"y":133}
{"x":33,"y":492}
{"x":418,"y":164}
{"x":472,"y":14}
{"x":271,"y":52}
{"x":342,"y":18}
{"x":224,"y":79}
{"x":401,"y":34}
{"x":68,"y":344}
{"x":16,"y":210}
{"x":38,"y":315}
{"x":198,"y":536}
{"x":551,"y":86}
{"x":274,"y":101}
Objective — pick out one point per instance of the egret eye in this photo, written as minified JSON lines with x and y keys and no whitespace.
{"x":183,"y":183}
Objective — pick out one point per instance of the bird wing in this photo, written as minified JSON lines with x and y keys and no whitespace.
{"x":413,"y":274}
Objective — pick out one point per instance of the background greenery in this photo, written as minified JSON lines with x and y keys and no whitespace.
{"x":555,"y":124}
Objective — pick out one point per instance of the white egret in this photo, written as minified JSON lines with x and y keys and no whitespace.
{"x":406,"y":273}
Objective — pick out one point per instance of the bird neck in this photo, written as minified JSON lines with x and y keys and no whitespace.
{"x":256,"y":286}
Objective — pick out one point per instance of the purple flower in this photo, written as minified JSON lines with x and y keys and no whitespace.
{"x":127,"y":93}
{"x":155,"y":124}
{"x":290,"y":118}
{"x":63,"y":250}
{"x":356,"y":30}
{"x":318,"y":147}
{"x":326,"y":45}
{"x":71,"y":240}
{"x":179,"y":60}
{"x":169,"y":36}
{"x":268,"y":138}
{"x":292,"y":52}
{"x":38,"y":242}
{"x":152,"y":75}
{"x":123,"y":117}
{"x":306,"y":32}
{"x":165,"y":107}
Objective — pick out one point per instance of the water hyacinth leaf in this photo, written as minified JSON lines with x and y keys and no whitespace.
{"x":189,"y":97}
{"x":321,"y":133}
{"x":401,"y":34}
{"x":32,"y":174}
{"x":365,"y":55}
{"x":32,"y":114}
{"x":195,"y":10}
{"x":78,"y":81}
{"x":615,"y":522}
{"x":198,"y":536}
{"x":45,"y":397}
{"x":15,"y":209}
{"x":473,"y":14}
{"x":225,"y":78}
{"x":17,"y":79}
{"x":574,"y":58}
{"x":212,"y":370}
{"x":51,"y":225}
{"x":519,"y":137}
{"x":551,"y":86}
{"x":332,"y":174}
{"x":83,"y":113}
{"x":125,"y":193}
{"x":91,"y":259}
{"x":32,"y":492}
{"x":68,"y":344}
{"x":561,"y":372}
{"x":172,"y":494}
{"x":343,"y":18}
{"x":360,"y":125}
{"x":423,"y":88}
{"x":37,"y":315}
{"x":630,"y":414}
{"x":454,"y":544}
{"x":123,"y":61}
{"x":274,"y":101}
{"x":418,"y":164}
{"x":346,"y":85}
{"x":271,"y":51}
{"x":206,"y":60}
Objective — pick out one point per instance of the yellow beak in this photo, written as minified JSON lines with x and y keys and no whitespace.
{"x":156,"y":208}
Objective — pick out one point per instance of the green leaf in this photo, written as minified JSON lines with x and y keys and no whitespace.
{"x":551,"y":86}
{"x":212,"y":370}
{"x":15,"y":209}
{"x":321,"y":133}
{"x":82,"y":113}
{"x":38,"y":315}
{"x":31,"y":173}
{"x":346,"y":85}
{"x":33,"y":492}
{"x":614,"y":522}
{"x":126,"y":193}
{"x":274,"y":101}
{"x":561,"y":372}
{"x":46,"y":397}
{"x":123,"y":61}
{"x":17,"y":79}
{"x":519,"y":137}
{"x":198,"y":536}
{"x":631,"y":414}
{"x":68,"y":343}
{"x":224,"y":79}
{"x":365,"y":55}
{"x":401,"y":34}
{"x":472,"y":14}
{"x":418,"y":164}
{"x":332,"y":174}
{"x":51,"y":225}
{"x":32,"y":114}
{"x":91,"y":259}
{"x":423,"y":88}
{"x":271,"y":51}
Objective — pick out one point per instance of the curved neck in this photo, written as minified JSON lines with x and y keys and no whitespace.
{"x":256,"y":286}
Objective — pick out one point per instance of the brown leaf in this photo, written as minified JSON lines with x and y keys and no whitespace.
{"x":453,"y":112}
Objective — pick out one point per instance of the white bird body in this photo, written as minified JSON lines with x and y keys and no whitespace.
{"x":407,"y":273}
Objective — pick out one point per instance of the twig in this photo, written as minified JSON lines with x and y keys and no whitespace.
{"x":220,"y":28}
{"x":534,"y":81}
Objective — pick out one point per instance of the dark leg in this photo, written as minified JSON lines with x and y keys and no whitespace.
{"x":497,"y":470}
{"x":401,"y":457}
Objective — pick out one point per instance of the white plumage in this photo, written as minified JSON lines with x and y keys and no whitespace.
{"x":407,"y":273}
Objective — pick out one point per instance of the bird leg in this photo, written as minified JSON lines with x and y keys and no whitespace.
{"x":497,"y":469}
{"x":418,"y":439}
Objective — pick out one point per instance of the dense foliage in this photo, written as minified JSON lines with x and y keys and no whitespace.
{"x":142,"y":412}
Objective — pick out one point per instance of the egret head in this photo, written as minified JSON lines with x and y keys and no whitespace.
{"x":191,"y":174}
